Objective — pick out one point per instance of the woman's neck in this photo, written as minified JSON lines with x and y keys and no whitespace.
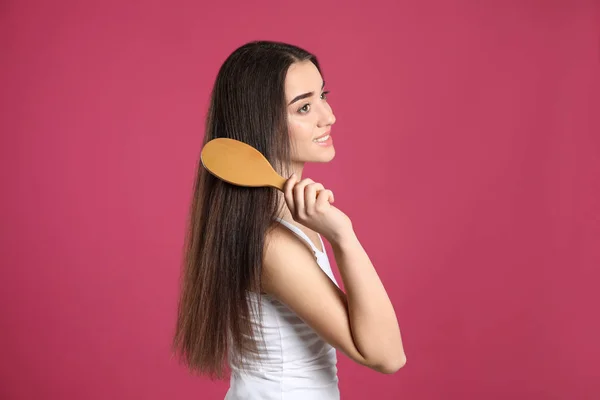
{"x":297,"y":168}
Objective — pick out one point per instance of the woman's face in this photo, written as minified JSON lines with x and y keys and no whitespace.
{"x":309,"y":115}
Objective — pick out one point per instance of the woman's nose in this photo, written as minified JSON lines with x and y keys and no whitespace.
{"x":327,"y":117}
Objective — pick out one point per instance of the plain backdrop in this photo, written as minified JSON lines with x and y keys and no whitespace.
{"x":468,"y":145}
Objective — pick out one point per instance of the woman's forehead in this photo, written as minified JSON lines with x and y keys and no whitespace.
{"x":302,"y":77}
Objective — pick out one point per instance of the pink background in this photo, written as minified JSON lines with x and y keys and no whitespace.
{"x":468,"y":140}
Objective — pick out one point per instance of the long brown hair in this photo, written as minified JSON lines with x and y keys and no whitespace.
{"x":228,"y":224}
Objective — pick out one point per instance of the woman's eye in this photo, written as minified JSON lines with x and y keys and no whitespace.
{"x":324,"y":95}
{"x":304,"y":109}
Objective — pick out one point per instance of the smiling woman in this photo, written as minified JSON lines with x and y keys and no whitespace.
{"x":257,"y":289}
{"x":309,"y":115}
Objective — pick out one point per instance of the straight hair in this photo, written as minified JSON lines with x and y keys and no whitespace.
{"x":227,"y":224}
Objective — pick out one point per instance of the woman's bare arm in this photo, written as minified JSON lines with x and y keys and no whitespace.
{"x":362,"y":323}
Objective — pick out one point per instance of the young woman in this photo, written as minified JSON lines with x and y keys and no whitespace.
{"x":257,"y":288}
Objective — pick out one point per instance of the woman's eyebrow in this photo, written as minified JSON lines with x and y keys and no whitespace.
{"x":304,"y":95}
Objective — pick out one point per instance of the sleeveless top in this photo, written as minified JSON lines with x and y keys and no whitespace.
{"x":295,"y":362}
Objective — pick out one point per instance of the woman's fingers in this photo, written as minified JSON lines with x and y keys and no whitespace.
{"x":324,"y":200}
{"x":299,"y":198}
{"x":306,"y":198}
{"x":288,"y":192}
{"x":310,"y":197}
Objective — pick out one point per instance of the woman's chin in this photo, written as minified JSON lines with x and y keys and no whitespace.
{"x":324,"y":156}
{"x":320,"y":157}
{"x":330,"y":157}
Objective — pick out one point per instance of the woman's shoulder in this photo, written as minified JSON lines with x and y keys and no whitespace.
{"x":280,"y":240}
{"x":285,"y":255}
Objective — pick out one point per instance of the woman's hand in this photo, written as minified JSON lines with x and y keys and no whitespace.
{"x":315,"y":211}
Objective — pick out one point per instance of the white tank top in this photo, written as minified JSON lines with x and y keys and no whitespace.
{"x":295,"y":364}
